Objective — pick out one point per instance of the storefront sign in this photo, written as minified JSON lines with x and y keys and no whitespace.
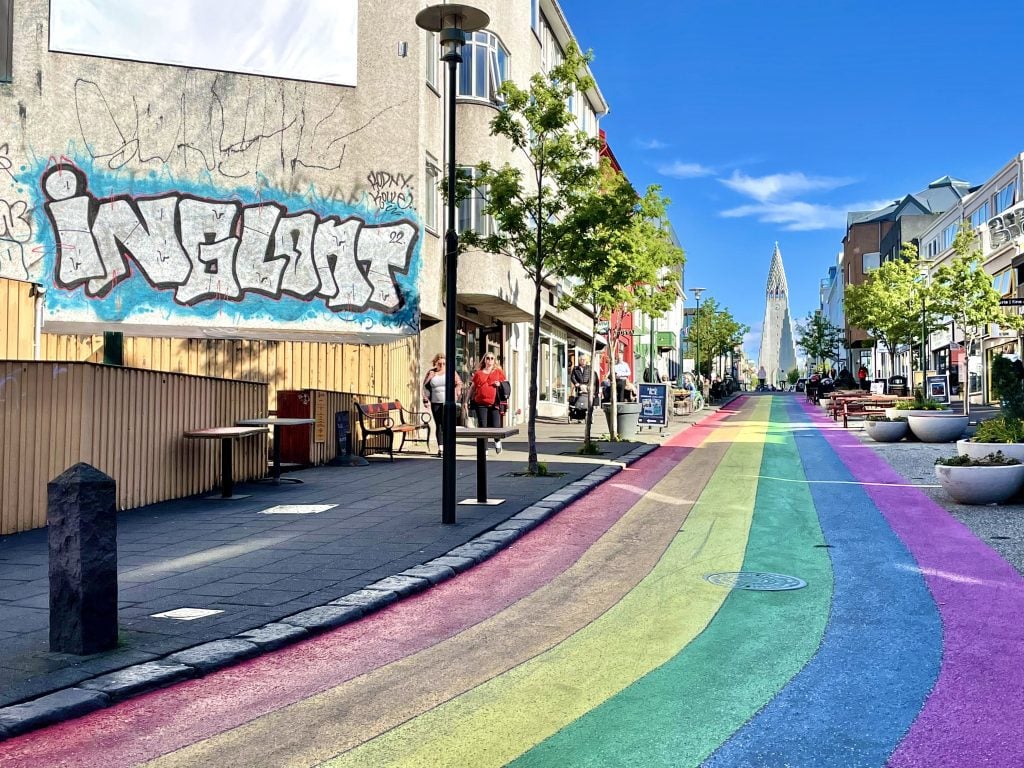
{"x":937,"y":388}
{"x":653,"y":404}
{"x":1011,"y":302}
{"x":320,"y":414}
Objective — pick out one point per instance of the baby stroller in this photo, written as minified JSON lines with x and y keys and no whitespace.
{"x":579,"y":403}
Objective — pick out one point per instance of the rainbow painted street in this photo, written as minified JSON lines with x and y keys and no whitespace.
{"x":597,"y":640}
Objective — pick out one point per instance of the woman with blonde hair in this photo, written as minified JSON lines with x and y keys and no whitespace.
{"x":434,"y":392}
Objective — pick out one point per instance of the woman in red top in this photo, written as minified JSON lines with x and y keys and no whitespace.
{"x":483,"y":394}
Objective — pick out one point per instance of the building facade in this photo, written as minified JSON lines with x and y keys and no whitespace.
{"x":251,"y":216}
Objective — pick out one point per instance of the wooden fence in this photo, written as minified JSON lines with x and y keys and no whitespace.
{"x":126,"y":422}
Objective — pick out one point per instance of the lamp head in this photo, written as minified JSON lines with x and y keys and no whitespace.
{"x":453,"y":21}
{"x":697,"y":292}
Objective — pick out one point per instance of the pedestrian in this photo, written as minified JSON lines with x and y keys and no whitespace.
{"x":862,"y":377}
{"x":762,"y":377}
{"x":621,"y":372}
{"x":484,"y":395}
{"x":434,"y":392}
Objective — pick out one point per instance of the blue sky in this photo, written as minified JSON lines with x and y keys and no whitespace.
{"x":768,"y":121}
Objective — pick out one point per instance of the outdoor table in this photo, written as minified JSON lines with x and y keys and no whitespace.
{"x":227,"y":437}
{"x":482,"y":435}
{"x":277,"y":423}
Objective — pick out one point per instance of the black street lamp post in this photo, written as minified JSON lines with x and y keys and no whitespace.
{"x":696,"y":323}
{"x":453,"y":22}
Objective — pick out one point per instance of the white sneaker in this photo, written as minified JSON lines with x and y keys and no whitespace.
{"x":497,"y":446}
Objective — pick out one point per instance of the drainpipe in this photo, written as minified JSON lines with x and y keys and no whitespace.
{"x":38,"y":292}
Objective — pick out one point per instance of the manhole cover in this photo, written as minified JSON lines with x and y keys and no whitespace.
{"x":755,"y":580}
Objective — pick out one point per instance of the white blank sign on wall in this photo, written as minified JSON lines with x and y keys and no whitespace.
{"x":311,"y":40}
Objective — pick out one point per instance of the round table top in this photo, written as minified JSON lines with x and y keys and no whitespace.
{"x":274,"y":421}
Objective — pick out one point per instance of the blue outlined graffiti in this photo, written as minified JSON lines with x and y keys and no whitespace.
{"x":120,"y":250}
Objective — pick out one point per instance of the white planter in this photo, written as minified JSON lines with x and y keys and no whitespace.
{"x":936,"y":426}
{"x":892,"y":413}
{"x":886,"y":431}
{"x":981,"y":450}
{"x":981,"y":485}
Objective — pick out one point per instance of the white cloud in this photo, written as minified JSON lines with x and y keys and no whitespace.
{"x":681,"y":170}
{"x":781,"y":186}
{"x":651,"y":144}
{"x":797,"y":216}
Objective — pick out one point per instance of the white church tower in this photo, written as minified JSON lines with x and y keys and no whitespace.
{"x":778,"y":349}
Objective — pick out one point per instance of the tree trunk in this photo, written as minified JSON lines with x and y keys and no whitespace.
{"x":591,"y":390}
{"x":531,"y":423}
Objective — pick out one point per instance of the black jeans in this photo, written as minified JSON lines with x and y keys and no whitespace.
{"x":487,"y":415}
{"x":437,"y":409}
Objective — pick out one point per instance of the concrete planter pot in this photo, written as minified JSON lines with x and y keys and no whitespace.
{"x":886,"y":431}
{"x":628,"y":418}
{"x":981,"y":485}
{"x":894,"y":413}
{"x":981,"y":450}
{"x":936,"y":426}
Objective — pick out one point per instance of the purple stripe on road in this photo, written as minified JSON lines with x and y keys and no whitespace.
{"x":973,"y":715}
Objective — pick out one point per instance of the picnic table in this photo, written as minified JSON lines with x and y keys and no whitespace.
{"x":276,"y":422}
{"x":482,"y":435}
{"x":227,"y":437}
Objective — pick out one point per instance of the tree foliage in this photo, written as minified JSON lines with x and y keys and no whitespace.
{"x":819,"y":338}
{"x":716,"y":332}
{"x":620,"y":255}
{"x":532,"y":209}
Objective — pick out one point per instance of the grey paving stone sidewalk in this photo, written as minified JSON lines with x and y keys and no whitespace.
{"x":250,"y":567}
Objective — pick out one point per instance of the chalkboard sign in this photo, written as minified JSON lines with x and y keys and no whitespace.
{"x":937,"y":388}
{"x":653,"y":404}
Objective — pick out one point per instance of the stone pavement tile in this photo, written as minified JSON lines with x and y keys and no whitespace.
{"x":15,"y":686}
{"x":215,"y":654}
{"x":25,"y":619}
{"x":36,"y":601}
{"x":220,"y":589}
{"x":273,"y":636}
{"x":11,"y":589}
{"x":262,"y":597}
{"x":304,"y":584}
{"x":245,"y":576}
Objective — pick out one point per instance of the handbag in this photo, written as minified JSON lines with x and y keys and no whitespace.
{"x":504,"y":390}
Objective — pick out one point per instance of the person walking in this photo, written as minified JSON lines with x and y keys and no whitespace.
{"x":434,"y":392}
{"x":483,"y":394}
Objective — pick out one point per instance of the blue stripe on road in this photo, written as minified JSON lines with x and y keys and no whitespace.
{"x":854,"y":701}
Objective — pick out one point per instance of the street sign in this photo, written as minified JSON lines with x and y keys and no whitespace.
{"x":1011,"y":302}
{"x":653,"y":404}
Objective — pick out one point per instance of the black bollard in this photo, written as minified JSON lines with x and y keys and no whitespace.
{"x":82,"y":519}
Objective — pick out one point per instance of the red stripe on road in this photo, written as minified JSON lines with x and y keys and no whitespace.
{"x":162,"y":721}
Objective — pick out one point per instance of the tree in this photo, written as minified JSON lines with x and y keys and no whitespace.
{"x":793,"y":376}
{"x":888,"y":304}
{"x":618,"y":249}
{"x":819,"y":339}
{"x":964,"y":293}
{"x":532,"y":209}
{"x":716,"y":331}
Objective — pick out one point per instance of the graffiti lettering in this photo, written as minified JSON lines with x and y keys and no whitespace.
{"x":15,"y":223}
{"x":1007,"y":226}
{"x":390,"y":192}
{"x":206,"y":250}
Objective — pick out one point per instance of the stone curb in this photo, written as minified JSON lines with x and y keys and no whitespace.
{"x":107,"y":689}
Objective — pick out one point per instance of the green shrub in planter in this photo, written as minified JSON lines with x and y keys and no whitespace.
{"x":881,"y":417}
{"x":1002,"y":429}
{"x":996,"y":459}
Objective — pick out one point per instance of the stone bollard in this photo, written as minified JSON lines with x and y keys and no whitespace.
{"x":82,"y":519}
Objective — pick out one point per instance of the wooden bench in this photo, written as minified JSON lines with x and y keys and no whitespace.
{"x":865,"y":407}
{"x":379,"y":420}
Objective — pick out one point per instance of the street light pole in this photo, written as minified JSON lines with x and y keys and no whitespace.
{"x":696,"y":322}
{"x":453,"y":22}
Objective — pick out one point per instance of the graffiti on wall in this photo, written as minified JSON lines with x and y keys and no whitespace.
{"x":15,"y":222}
{"x":223,"y":259}
{"x":1007,"y":226}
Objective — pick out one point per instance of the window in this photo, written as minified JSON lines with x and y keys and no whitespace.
{"x":484,"y":66}
{"x":433,"y":56}
{"x":949,"y":235}
{"x":933,"y":248}
{"x":871,"y":261}
{"x":535,"y":15}
{"x":980,"y":216}
{"x":471,"y":210}
{"x":430,"y":191}
{"x":6,"y":39}
{"x":1005,"y":197}
{"x":1002,"y":282}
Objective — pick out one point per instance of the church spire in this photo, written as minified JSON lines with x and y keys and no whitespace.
{"x":778,"y":349}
